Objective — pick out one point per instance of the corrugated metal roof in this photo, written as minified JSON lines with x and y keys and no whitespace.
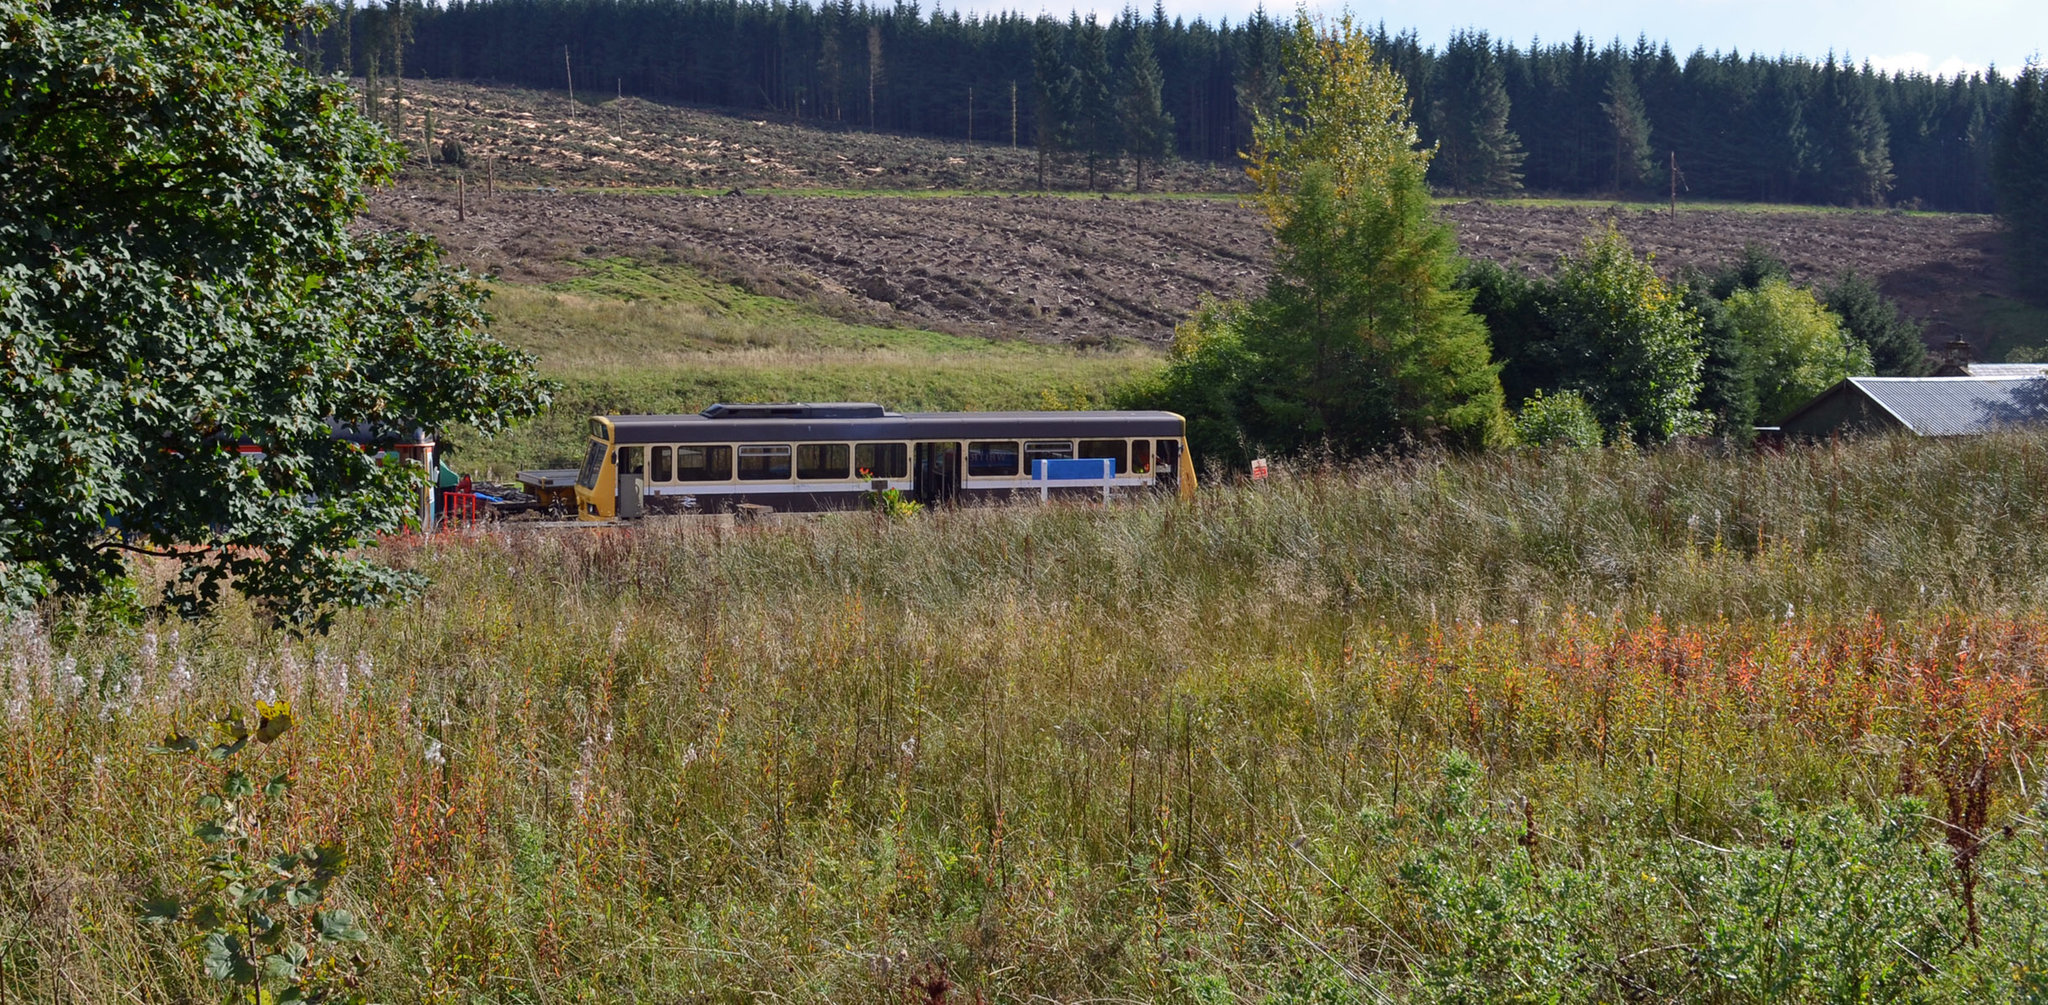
{"x":2006,"y":369}
{"x":1958,"y":406}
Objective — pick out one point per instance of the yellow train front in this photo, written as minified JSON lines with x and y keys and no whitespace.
{"x":804,"y":457}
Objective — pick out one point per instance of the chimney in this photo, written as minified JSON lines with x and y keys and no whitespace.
{"x":1956,"y":356}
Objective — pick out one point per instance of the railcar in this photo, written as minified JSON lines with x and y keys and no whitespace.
{"x":802,"y":457}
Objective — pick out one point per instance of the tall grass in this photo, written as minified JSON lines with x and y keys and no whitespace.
{"x":1578,"y":727}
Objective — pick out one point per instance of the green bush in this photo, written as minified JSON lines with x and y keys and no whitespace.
{"x":1562,"y":420}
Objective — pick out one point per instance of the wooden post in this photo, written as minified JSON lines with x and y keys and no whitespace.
{"x":970,"y":114}
{"x":490,"y":176}
{"x":459,"y":209}
{"x":1013,"y":115}
{"x":1674,"y":183}
{"x":570,"y":78}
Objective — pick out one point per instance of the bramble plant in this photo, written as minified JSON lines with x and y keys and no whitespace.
{"x":256,"y":917}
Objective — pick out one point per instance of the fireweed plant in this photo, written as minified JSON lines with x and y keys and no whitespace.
{"x":1563,"y":726}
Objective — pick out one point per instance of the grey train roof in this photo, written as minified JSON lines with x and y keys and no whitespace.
{"x":1949,"y":406}
{"x":843,"y":421}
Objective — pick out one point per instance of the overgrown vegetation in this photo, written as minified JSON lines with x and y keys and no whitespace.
{"x":1564,"y":726}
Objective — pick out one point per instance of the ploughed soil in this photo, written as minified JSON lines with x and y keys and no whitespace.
{"x":1090,"y":269}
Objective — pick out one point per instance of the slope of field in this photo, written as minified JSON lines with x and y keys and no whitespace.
{"x":1084,"y":270}
{"x":540,"y":137}
{"x":624,"y":335}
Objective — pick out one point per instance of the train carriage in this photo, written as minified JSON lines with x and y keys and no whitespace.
{"x":827,"y":456}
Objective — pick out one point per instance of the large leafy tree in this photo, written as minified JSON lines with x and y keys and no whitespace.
{"x":179,"y":280}
{"x":1796,"y":347}
{"x":1624,"y":340}
{"x":1362,"y":337}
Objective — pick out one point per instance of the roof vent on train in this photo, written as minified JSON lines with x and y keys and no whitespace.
{"x":798,"y":410}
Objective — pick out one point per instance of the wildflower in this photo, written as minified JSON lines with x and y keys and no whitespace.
{"x":908,"y":747}
{"x":290,"y":674}
{"x":433,"y":755}
{"x":264,"y":689}
{"x":181,"y":679}
{"x":18,"y":701}
{"x":71,"y":685}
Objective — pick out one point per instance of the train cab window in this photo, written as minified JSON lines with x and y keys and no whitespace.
{"x":632,"y":460}
{"x":1112,"y":449}
{"x":764,"y":462}
{"x":822,"y":461}
{"x":992,"y":458}
{"x":662,"y":463}
{"x":1141,"y":457}
{"x":703,"y":464}
{"x":592,"y":464}
{"x":1168,"y":449}
{"x":881,"y":460}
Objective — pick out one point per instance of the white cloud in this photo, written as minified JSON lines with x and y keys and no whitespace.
{"x":1920,"y":62}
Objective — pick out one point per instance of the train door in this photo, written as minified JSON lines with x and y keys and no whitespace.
{"x":631,"y":461}
{"x":1167,"y":465}
{"x":936,"y":473}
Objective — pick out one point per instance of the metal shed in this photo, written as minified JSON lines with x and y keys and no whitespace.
{"x":1925,"y":406}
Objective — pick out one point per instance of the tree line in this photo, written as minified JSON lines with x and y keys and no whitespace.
{"x":1099,"y":98}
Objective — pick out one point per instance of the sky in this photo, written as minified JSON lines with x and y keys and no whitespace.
{"x":1940,"y":37}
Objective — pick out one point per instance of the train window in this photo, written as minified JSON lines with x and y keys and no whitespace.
{"x":986,"y":458}
{"x":663,"y":465}
{"x":881,"y":460}
{"x":1167,"y":450}
{"x":1113,"y":449}
{"x":632,"y":460}
{"x":703,"y":464}
{"x":1141,"y":457}
{"x":592,"y":464}
{"x":1047,"y":450}
{"x":821,"y":460}
{"x":764,"y":462}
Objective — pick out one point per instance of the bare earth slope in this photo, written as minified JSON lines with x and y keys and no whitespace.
{"x":1084,"y":269}
{"x":539,"y":137}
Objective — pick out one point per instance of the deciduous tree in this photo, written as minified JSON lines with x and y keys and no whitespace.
{"x":1626,"y":342}
{"x":179,"y":280}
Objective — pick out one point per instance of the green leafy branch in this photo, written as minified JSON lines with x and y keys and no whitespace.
{"x":256,"y":917}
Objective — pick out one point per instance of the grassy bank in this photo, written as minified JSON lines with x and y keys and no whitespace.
{"x":1599,"y":727}
{"x":630,"y":336}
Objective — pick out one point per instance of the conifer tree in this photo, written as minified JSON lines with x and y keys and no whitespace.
{"x":1629,"y":126}
{"x":1851,"y":149}
{"x":1053,"y":114}
{"x":1362,"y":338}
{"x":2020,"y":175}
{"x":1476,"y":151}
{"x":1147,"y":128}
{"x":1094,"y":102}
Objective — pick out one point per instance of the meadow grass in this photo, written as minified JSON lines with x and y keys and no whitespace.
{"x":1570,"y":727}
{"x":649,"y":337}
